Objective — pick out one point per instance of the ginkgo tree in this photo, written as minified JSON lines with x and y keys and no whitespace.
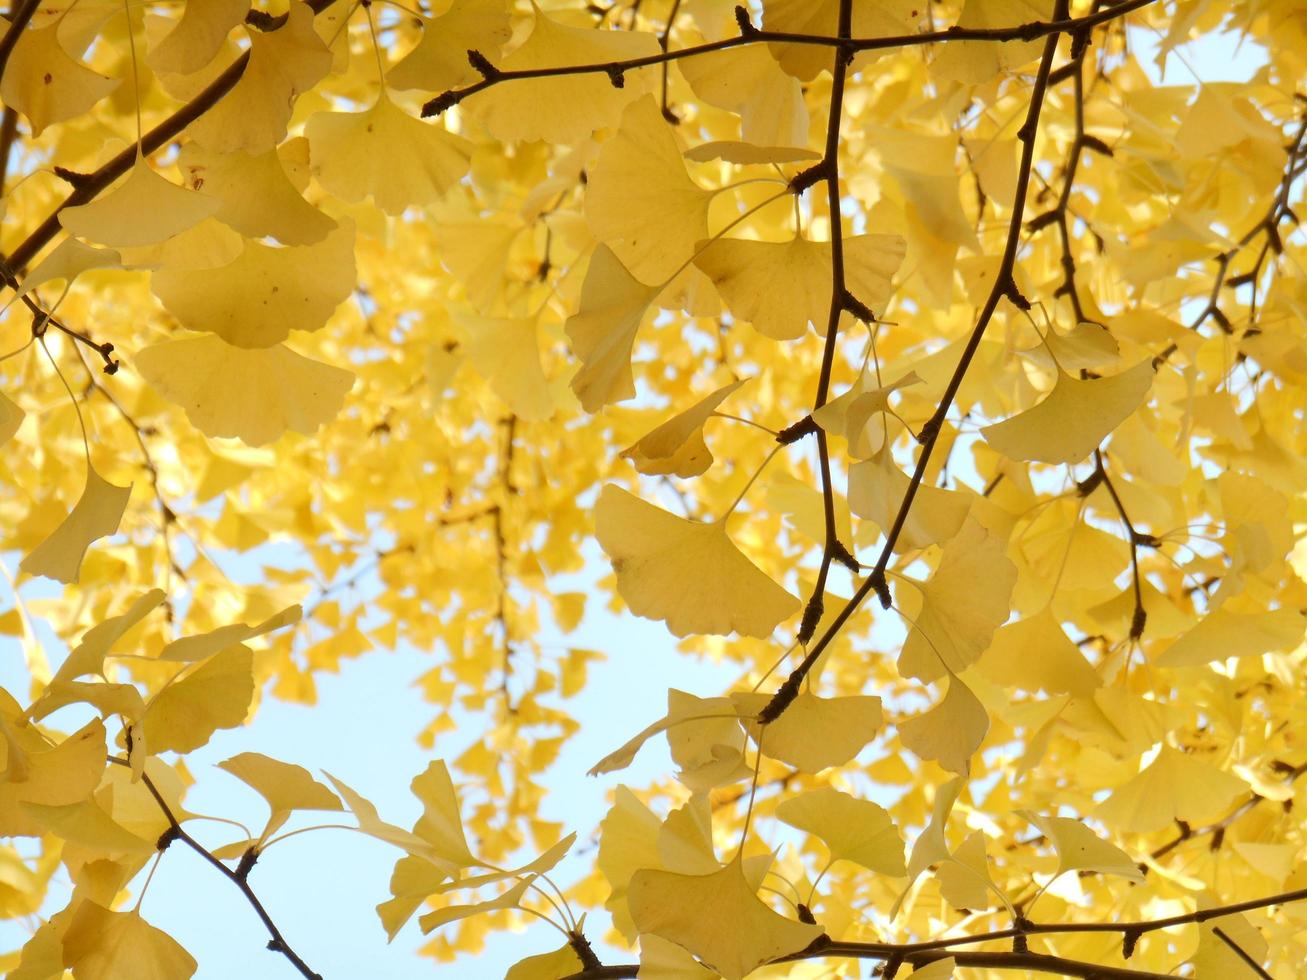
{"x":930,"y":363}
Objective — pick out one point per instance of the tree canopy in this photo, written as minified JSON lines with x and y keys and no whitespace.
{"x":929,"y":363}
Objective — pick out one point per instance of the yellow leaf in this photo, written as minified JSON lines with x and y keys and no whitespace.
{"x":67,"y":260}
{"x":371,"y":824}
{"x":885,"y":18}
{"x":734,"y":151}
{"x":941,"y":969}
{"x":1174,"y":787}
{"x":1222,"y":634}
{"x":284,"y":63}
{"x":286,"y":787}
{"x":962,"y":604}
{"x":717,"y":917}
{"x":931,"y":847}
{"x":95,"y":515}
{"x":781,"y":287}
{"x":853,"y":414}
{"x":814,"y":733}
{"x":567,"y":108}
{"x":664,"y":960}
{"x":562,"y":962}
{"x":748,"y":81}
{"x":86,"y":824}
{"x":964,"y":879}
{"x":411,"y":882}
{"x":186,"y":713}
{"x":383,"y":152}
{"x":439,"y":61}
{"x":254,"y":395}
{"x":975,"y":62}
{"x":1034,"y":654}
{"x":628,"y":841}
{"x":1080,"y":849}
{"x":11,"y":418}
{"x":188,"y":649}
{"x":689,"y":575}
{"x":440,"y":823}
{"x":107,"y":699}
{"x":949,"y":733}
{"x":43,"y":82}
{"x":453,"y":913}
{"x":506,"y":352}
{"x":255,"y":195}
{"x":639,"y":200}
{"x":1076,"y":416}
{"x":852,"y":829}
{"x":677,"y":445}
{"x":876,"y":490}
{"x":603,"y":329}
{"x":105,"y":945}
{"x":198,"y":36}
{"x":1217,"y":960}
{"x":142,"y":210}
{"x":35,"y":772}
{"x":257,"y":300}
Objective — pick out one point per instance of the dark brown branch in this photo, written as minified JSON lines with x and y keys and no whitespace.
{"x":278,"y":942}
{"x":1140,"y":615}
{"x":1003,"y":286}
{"x":1032,"y":31}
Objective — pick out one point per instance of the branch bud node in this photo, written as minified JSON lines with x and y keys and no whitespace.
{"x":793,"y":433}
{"x":744,"y":23}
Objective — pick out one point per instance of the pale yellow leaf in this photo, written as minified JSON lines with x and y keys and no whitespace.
{"x":852,"y":829}
{"x":949,"y":733}
{"x":46,"y":84}
{"x":1222,"y":634}
{"x":1175,"y":786}
{"x":814,"y":733}
{"x":95,"y":515}
{"x":1080,"y":849}
{"x":439,"y":60}
{"x":677,"y":445}
{"x":105,"y":945}
{"x":217,"y":694}
{"x":198,"y":36}
{"x":1034,"y":654}
{"x":144,"y":209}
{"x":690,"y":575}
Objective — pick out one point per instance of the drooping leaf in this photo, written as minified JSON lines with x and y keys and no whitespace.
{"x":95,"y":515}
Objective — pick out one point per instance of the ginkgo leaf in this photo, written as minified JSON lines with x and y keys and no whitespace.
{"x":876,"y":490}
{"x":852,"y":829}
{"x":256,"y":196}
{"x":886,"y":18}
{"x":86,"y":824}
{"x":690,"y":575}
{"x":439,"y":60}
{"x":962,"y":604}
{"x":95,"y":515}
{"x":1080,"y":849}
{"x":976,"y":62}
{"x":386,"y":154}
{"x":506,"y":352}
{"x":628,"y":841}
{"x":814,"y":733}
{"x":188,"y":649}
{"x":931,"y":847}
{"x":257,"y":300}
{"x":1175,"y":786}
{"x":1076,"y":416}
{"x":603,"y":329}
{"x":144,"y":209}
{"x":941,"y":969}
{"x":734,"y":151}
{"x":1034,"y":654}
{"x":412,"y":881}
{"x":45,"y":83}
{"x":107,"y":699}
{"x":37,"y":773}
{"x":11,"y":418}
{"x":254,"y":395}
{"x":964,"y":879}
{"x":440,"y":823}
{"x":677,"y":445}
{"x":717,"y":917}
{"x":639,"y":200}
{"x":1222,"y":634}
{"x":543,"y":864}
{"x":951,"y":732}
{"x":285,"y":62}
{"x":781,"y":287}
{"x":67,"y":260}
{"x":286,"y":787}
{"x":562,"y":962}
{"x":748,"y":81}
{"x":510,"y":899}
{"x":217,"y":694}
{"x":661,"y":959}
{"x":105,"y":945}
{"x":564,"y":108}
{"x":370,"y":823}
{"x":682,"y":710}
{"x":198,"y":36}
{"x":853,"y":414}
{"x":1217,"y":959}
